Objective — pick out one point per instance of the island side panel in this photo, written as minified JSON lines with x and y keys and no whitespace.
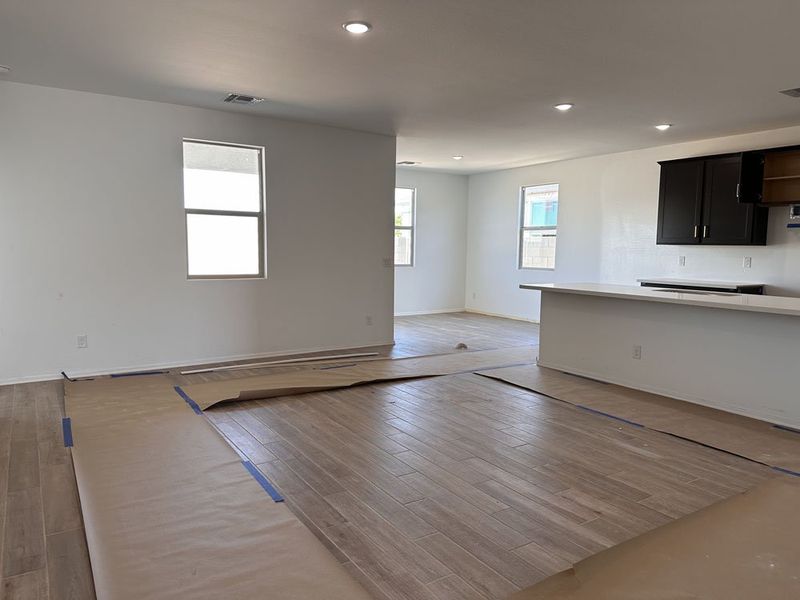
{"x":738,"y":361}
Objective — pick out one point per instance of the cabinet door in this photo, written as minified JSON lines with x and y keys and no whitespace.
{"x":751,"y":177}
{"x":725,"y":219}
{"x":679,"y":202}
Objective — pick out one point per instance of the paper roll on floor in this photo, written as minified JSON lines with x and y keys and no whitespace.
{"x":742,"y":548}
{"x":172,"y":513}
{"x":308,"y":380}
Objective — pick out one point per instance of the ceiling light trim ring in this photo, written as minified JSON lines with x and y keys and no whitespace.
{"x":357,"y":27}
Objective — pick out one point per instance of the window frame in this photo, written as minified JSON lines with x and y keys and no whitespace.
{"x":412,"y":228}
{"x":523,"y":228}
{"x":260,"y":214}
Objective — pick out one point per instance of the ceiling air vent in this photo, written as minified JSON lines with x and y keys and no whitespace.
{"x":242,"y":99}
{"x":407,"y":163}
{"x":794,"y":92}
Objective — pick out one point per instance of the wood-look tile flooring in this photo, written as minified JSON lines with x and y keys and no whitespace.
{"x":443,"y":488}
{"x":433,"y":334}
{"x":43,"y":544}
{"x":465,"y":487}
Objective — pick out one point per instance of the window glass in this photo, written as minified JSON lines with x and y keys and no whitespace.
{"x":222,"y":245}
{"x":541,"y":206}
{"x":404,"y":207}
{"x":217,"y":177}
{"x":402,"y":247}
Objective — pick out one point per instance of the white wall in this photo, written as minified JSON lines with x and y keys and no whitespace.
{"x":607,"y":228}
{"x":92,"y":237}
{"x":735,"y":360}
{"x":436,"y":281}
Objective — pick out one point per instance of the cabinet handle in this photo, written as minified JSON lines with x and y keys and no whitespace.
{"x":705,"y":231}
{"x":738,"y":187}
{"x":695,"y":231}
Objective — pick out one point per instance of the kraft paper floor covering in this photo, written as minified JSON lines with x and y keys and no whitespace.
{"x":743,"y":548}
{"x":314,"y":380}
{"x":750,"y":438}
{"x":171,"y":512}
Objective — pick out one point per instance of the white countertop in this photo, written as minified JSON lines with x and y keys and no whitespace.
{"x":778,"y":305}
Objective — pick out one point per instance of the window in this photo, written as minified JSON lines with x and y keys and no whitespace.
{"x":223,"y":196}
{"x":537,"y":230}
{"x":404,"y":209}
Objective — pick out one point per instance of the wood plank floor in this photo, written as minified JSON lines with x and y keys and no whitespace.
{"x":443,"y":488}
{"x":465,"y":487}
{"x":432,"y":334}
{"x":44,"y":548}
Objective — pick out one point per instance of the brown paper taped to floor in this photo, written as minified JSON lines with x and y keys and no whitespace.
{"x":310,"y":380}
{"x":171,"y":512}
{"x":750,"y":438}
{"x":743,"y":548}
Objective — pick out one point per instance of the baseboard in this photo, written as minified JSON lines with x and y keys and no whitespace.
{"x":188,"y":363}
{"x":429,"y":312}
{"x":502,"y":316}
{"x":737,"y":410}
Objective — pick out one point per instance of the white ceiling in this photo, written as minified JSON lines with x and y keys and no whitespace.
{"x":469,"y":77}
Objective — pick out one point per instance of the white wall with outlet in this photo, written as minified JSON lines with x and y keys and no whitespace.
{"x":435,"y":283}
{"x":698,"y":354}
{"x":607,"y":228}
{"x":92,"y":239}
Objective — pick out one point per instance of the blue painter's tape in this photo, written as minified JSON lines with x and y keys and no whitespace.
{"x":787,"y":471}
{"x":66,"y":428}
{"x":135,"y":373}
{"x":262,"y":481}
{"x":786,"y":428}
{"x":189,"y":401}
{"x":599,"y":412}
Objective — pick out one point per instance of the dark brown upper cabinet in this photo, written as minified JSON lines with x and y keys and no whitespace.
{"x":699,"y":202}
{"x":680,"y":202}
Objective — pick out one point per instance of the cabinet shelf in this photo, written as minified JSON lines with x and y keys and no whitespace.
{"x":782,"y":177}
{"x":783,"y":190}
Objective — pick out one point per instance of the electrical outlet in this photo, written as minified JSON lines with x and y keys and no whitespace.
{"x":637,"y":352}
{"x":83,"y":341}
{"x":681,"y":261}
{"x":368,"y":319}
{"x":388,"y":262}
{"x":747,"y":262}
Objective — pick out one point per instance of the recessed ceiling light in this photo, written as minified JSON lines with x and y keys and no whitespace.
{"x":408,"y":163}
{"x":357,"y":27}
{"x":4,"y":69}
{"x":663,"y":126}
{"x":457,"y":157}
{"x":564,"y":106}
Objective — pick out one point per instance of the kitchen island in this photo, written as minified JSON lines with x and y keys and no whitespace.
{"x":734,"y":352}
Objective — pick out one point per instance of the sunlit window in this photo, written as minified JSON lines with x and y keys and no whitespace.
{"x":223,"y":196}
{"x":404,"y":207}
{"x":538,"y":222}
